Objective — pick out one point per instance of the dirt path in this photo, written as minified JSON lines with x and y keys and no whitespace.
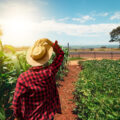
{"x":73,"y":62}
{"x":65,"y":92}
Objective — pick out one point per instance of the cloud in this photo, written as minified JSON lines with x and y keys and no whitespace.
{"x":96,"y":14}
{"x":74,"y":29}
{"x":104,"y":14}
{"x":115,"y":16}
{"x":83,"y":19}
{"x":52,"y":28}
{"x":64,"y":19}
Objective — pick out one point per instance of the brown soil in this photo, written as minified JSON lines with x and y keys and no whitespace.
{"x":66,"y":96}
{"x":75,"y":62}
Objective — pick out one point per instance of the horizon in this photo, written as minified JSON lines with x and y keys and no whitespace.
{"x":72,"y":45}
{"x":80,"y":22}
{"x":95,"y":46}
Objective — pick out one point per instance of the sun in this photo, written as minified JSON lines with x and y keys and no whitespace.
{"x":17,"y":29}
{"x":17,"y":25}
{"x":17,"y":17}
{"x":20,"y":23}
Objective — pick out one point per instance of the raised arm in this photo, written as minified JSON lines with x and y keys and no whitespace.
{"x":58,"y":59}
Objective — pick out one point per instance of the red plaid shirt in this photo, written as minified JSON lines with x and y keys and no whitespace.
{"x":36,"y":96}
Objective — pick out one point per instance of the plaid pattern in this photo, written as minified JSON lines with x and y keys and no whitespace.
{"x":36,"y":96}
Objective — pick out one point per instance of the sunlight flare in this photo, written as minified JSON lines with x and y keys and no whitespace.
{"x":17,"y":25}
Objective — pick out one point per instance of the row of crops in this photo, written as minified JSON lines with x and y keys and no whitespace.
{"x":11,"y":66}
{"x":97,"y":92}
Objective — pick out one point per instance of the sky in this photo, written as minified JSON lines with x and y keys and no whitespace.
{"x":77,"y":22}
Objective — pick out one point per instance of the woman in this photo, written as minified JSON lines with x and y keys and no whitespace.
{"x":36,"y":96}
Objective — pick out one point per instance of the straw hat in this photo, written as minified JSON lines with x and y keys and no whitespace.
{"x":40,"y":53}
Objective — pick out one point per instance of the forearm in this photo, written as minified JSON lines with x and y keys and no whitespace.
{"x":57,"y":61}
{"x":59,"y":54}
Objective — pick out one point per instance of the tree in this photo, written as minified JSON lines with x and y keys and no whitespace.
{"x":115,"y":35}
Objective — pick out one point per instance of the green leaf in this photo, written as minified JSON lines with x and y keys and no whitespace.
{"x":2,"y":114}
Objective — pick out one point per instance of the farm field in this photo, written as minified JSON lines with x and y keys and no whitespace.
{"x":95,"y":53}
{"x":115,"y":55}
{"x":97,"y":91}
{"x":70,"y":79}
{"x":95,"y":49}
{"x":85,"y":83}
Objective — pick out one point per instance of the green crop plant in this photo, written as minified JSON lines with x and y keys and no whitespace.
{"x":11,"y":66}
{"x":7,"y":84}
{"x":97,"y":91}
{"x":9,"y":49}
{"x":1,"y":47}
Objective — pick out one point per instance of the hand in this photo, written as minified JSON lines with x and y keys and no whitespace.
{"x":56,"y":47}
{"x":49,"y":42}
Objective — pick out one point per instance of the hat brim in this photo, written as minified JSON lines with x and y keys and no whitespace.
{"x":42,"y":61}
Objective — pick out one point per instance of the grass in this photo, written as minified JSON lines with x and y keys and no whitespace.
{"x":75,"y":58}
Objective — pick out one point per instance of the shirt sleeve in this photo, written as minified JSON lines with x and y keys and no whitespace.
{"x":54,"y":67}
{"x":19,"y":91}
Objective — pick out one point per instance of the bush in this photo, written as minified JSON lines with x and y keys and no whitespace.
{"x":97,"y":92}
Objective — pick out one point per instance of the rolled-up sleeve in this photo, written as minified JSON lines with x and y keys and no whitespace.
{"x":57,"y":61}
